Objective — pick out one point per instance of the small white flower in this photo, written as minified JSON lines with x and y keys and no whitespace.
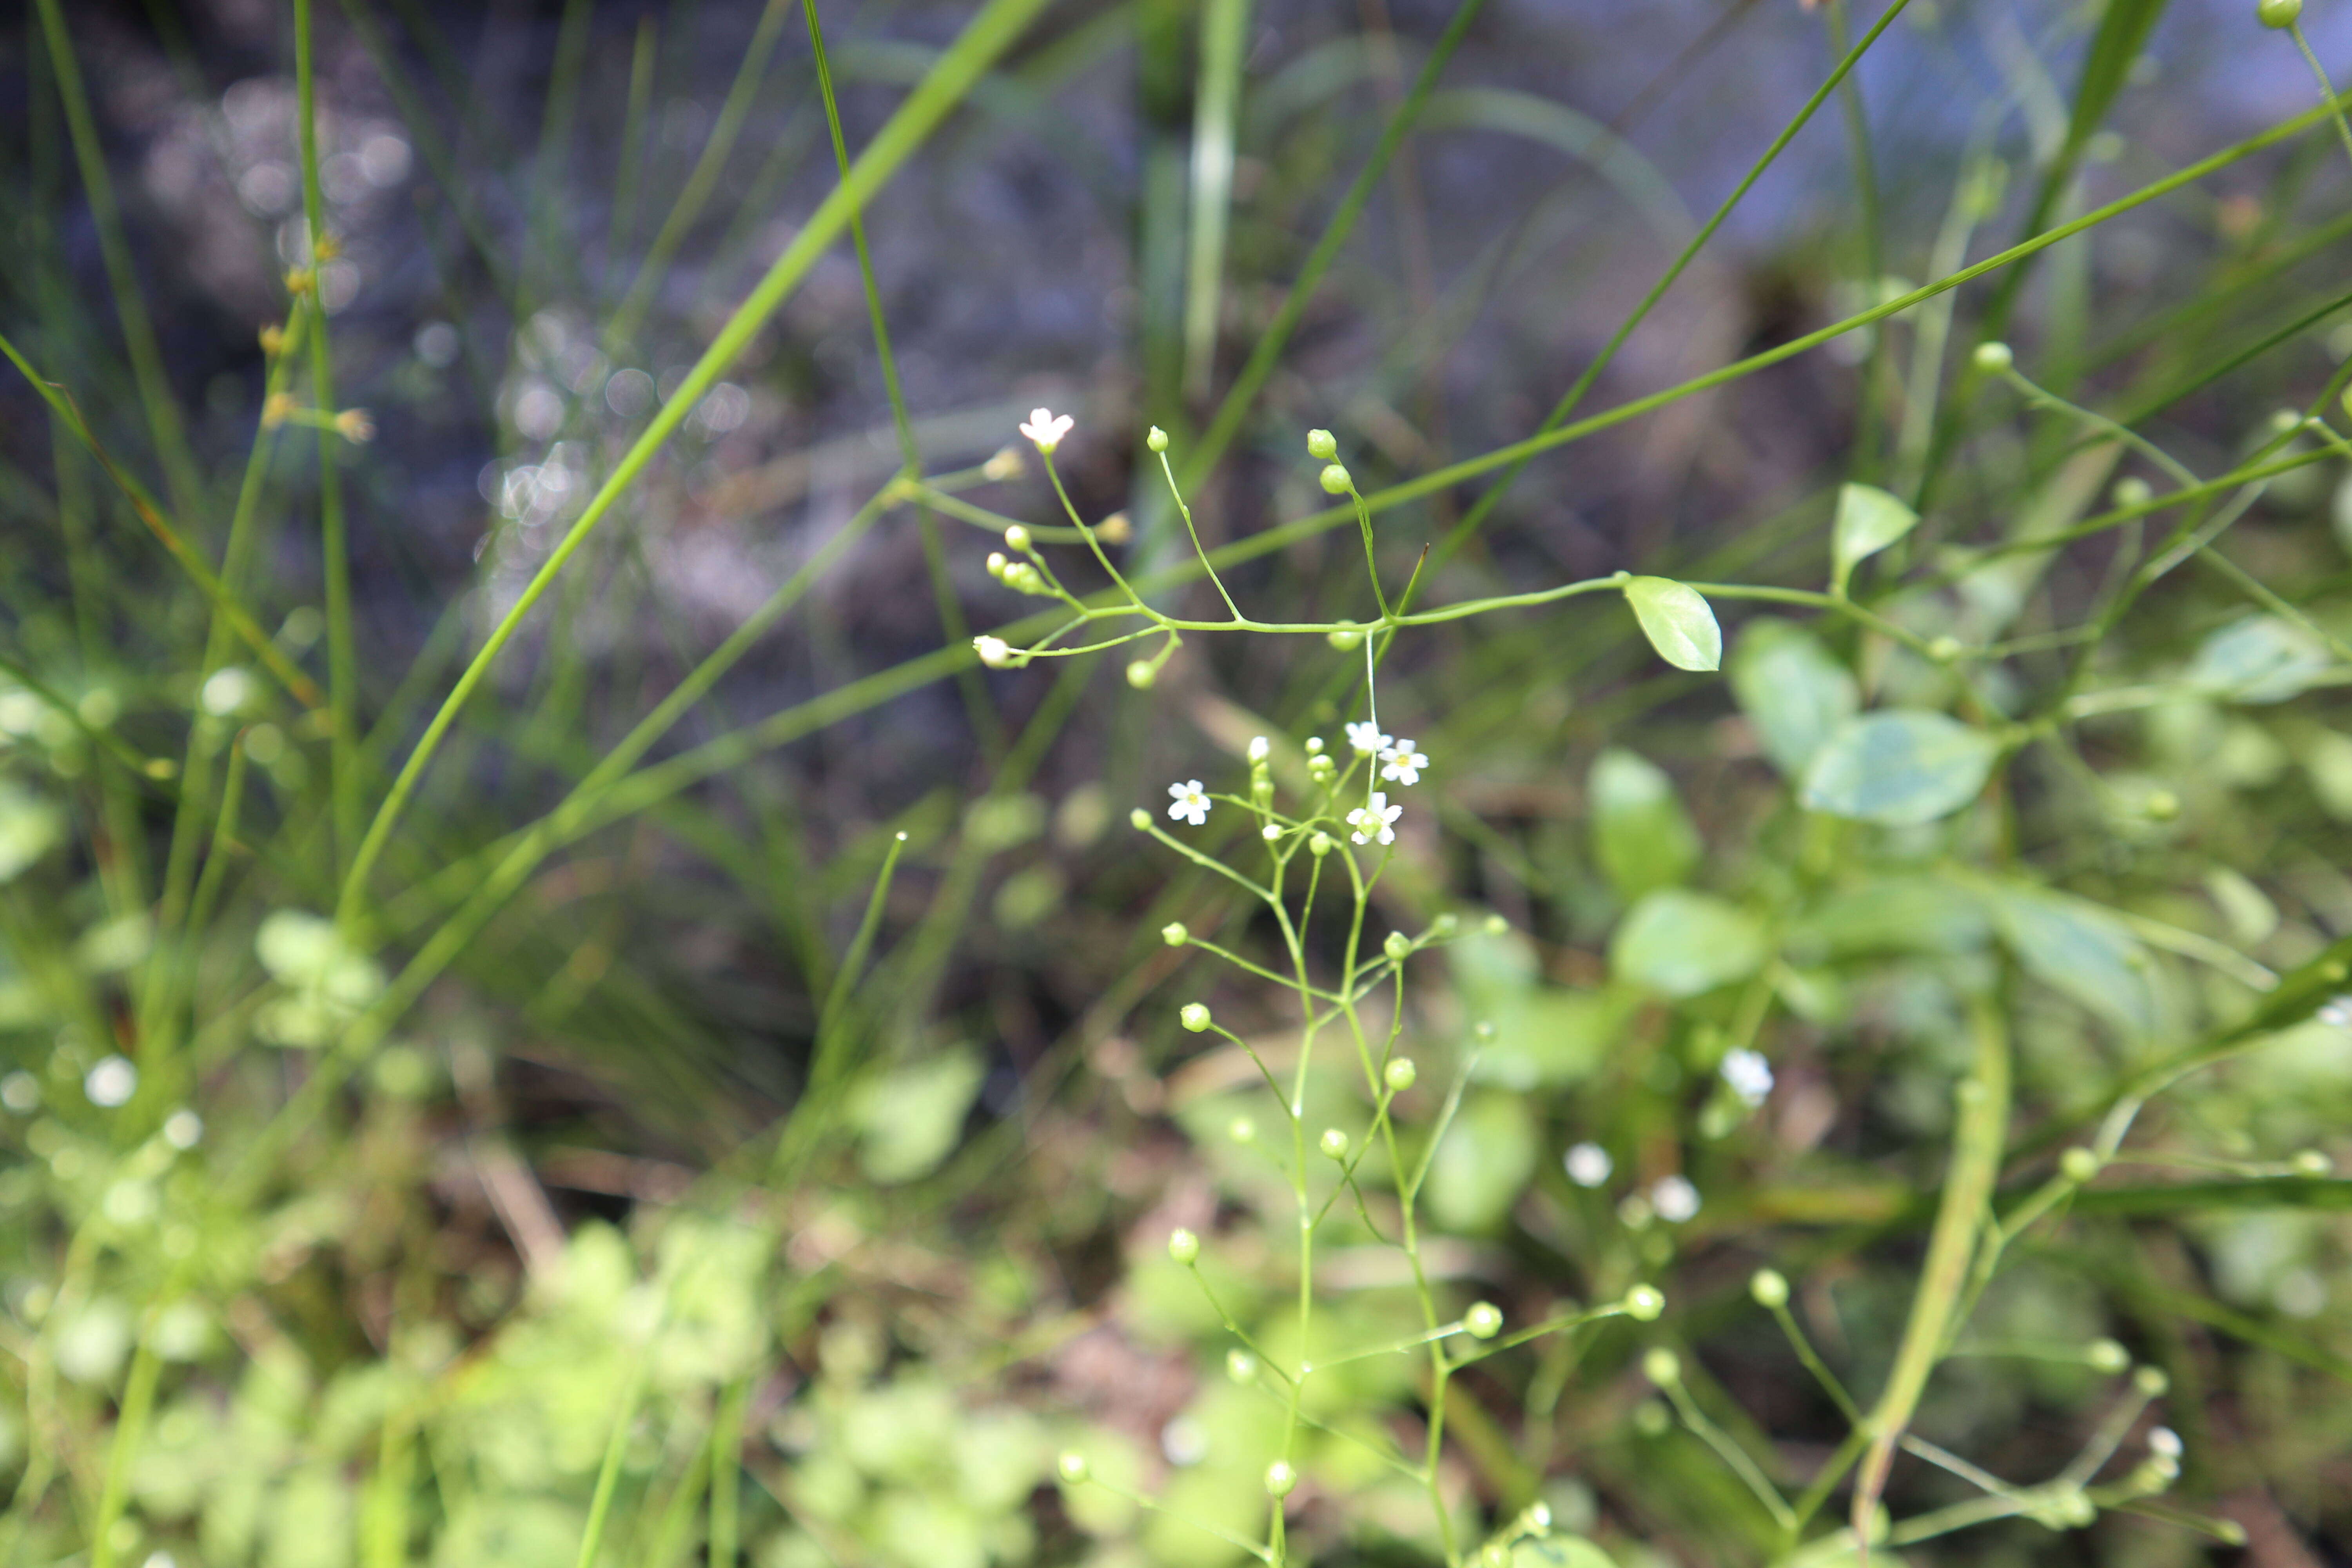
{"x":1272,"y":832}
{"x":1675,"y":1199}
{"x":1405,"y":762}
{"x":994,"y":652}
{"x":112,"y":1082}
{"x":1365,"y":737}
{"x":1747,"y":1075}
{"x":1045,"y":429}
{"x":1189,"y":801}
{"x":1588,"y":1165}
{"x":1376,"y":819}
{"x":1260,"y":748}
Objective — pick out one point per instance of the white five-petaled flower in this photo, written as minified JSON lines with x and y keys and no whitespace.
{"x":1405,"y":762}
{"x":1365,"y":737}
{"x":1047,"y":430}
{"x":1747,"y":1075}
{"x":1188,"y":801}
{"x":1376,"y":819}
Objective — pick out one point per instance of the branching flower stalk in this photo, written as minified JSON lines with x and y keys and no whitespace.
{"x":1341,"y":829}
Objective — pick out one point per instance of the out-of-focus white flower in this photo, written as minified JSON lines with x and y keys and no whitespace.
{"x":1189,"y":801}
{"x":1405,"y":762}
{"x":1260,"y":748}
{"x":1675,"y":1199}
{"x":994,"y":652}
{"x":1365,"y":737}
{"x":1047,"y":430}
{"x":1376,"y":819}
{"x":112,"y":1082}
{"x":1747,"y":1075}
{"x":1272,"y":832}
{"x":1588,"y":1165}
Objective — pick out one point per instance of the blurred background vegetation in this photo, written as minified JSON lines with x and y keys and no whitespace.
{"x":656,"y":1184}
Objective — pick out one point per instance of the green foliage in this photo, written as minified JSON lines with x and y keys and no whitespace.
{"x":467,"y":1100}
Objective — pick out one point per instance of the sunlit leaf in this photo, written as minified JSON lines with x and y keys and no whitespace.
{"x":1681,"y":944}
{"x":1794,"y":690}
{"x":1898,"y":767}
{"x":1868,"y":520}
{"x":2259,"y":658}
{"x":2082,"y":951}
{"x":1641,"y":833}
{"x":1677,"y":622}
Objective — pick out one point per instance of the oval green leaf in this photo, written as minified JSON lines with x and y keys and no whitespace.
{"x":1677,"y":622}
{"x":1641,"y":833}
{"x":1868,"y":520}
{"x":1898,"y":767}
{"x":1792,"y":690}
{"x":1680,"y":943}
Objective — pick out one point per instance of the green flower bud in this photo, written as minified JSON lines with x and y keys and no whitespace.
{"x":1334,"y":1143}
{"x":1445,"y":925}
{"x":1322,"y":446}
{"x":1482,"y":1320}
{"x":1141,"y":674}
{"x":1184,"y":1246}
{"x":1770,"y":1288}
{"x":997,"y":563}
{"x":2132,"y":490}
{"x":1344,"y":640}
{"x":1335,"y":480}
{"x":1174,"y":934}
{"x":1662,"y":1366}
{"x":2106,"y":1355}
{"x":1280,"y":1479}
{"x":1194,"y":1016}
{"x":1397,"y":945}
{"x":2151,"y":1382}
{"x":1156,"y":438}
{"x":1653,"y":1419}
{"x":2279,"y":14}
{"x":1320,"y":846}
{"x":1994,"y":358}
{"x":1497,"y":925}
{"x":1139,"y":819}
{"x":1642,"y":1303}
{"x":1398,"y":1075}
{"x":1016,"y":538}
{"x":1073,"y":1467}
{"x":2311,"y":1163}
{"x":2078,"y":1164}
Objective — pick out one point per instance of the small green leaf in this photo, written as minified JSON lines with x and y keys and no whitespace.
{"x":2080,"y":951}
{"x":1898,"y":767}
{"x":2257,"y":659}
{"x":1794,"y":690}
{"x":1560,"y":1552}
{"x":1681,"y":944}
{"x":910,"y":1120}
{"x":1868,"y":520}
{"x":1484,"y":1162}
{"x":1641,"y":833}
{"x":1677,"y":621}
